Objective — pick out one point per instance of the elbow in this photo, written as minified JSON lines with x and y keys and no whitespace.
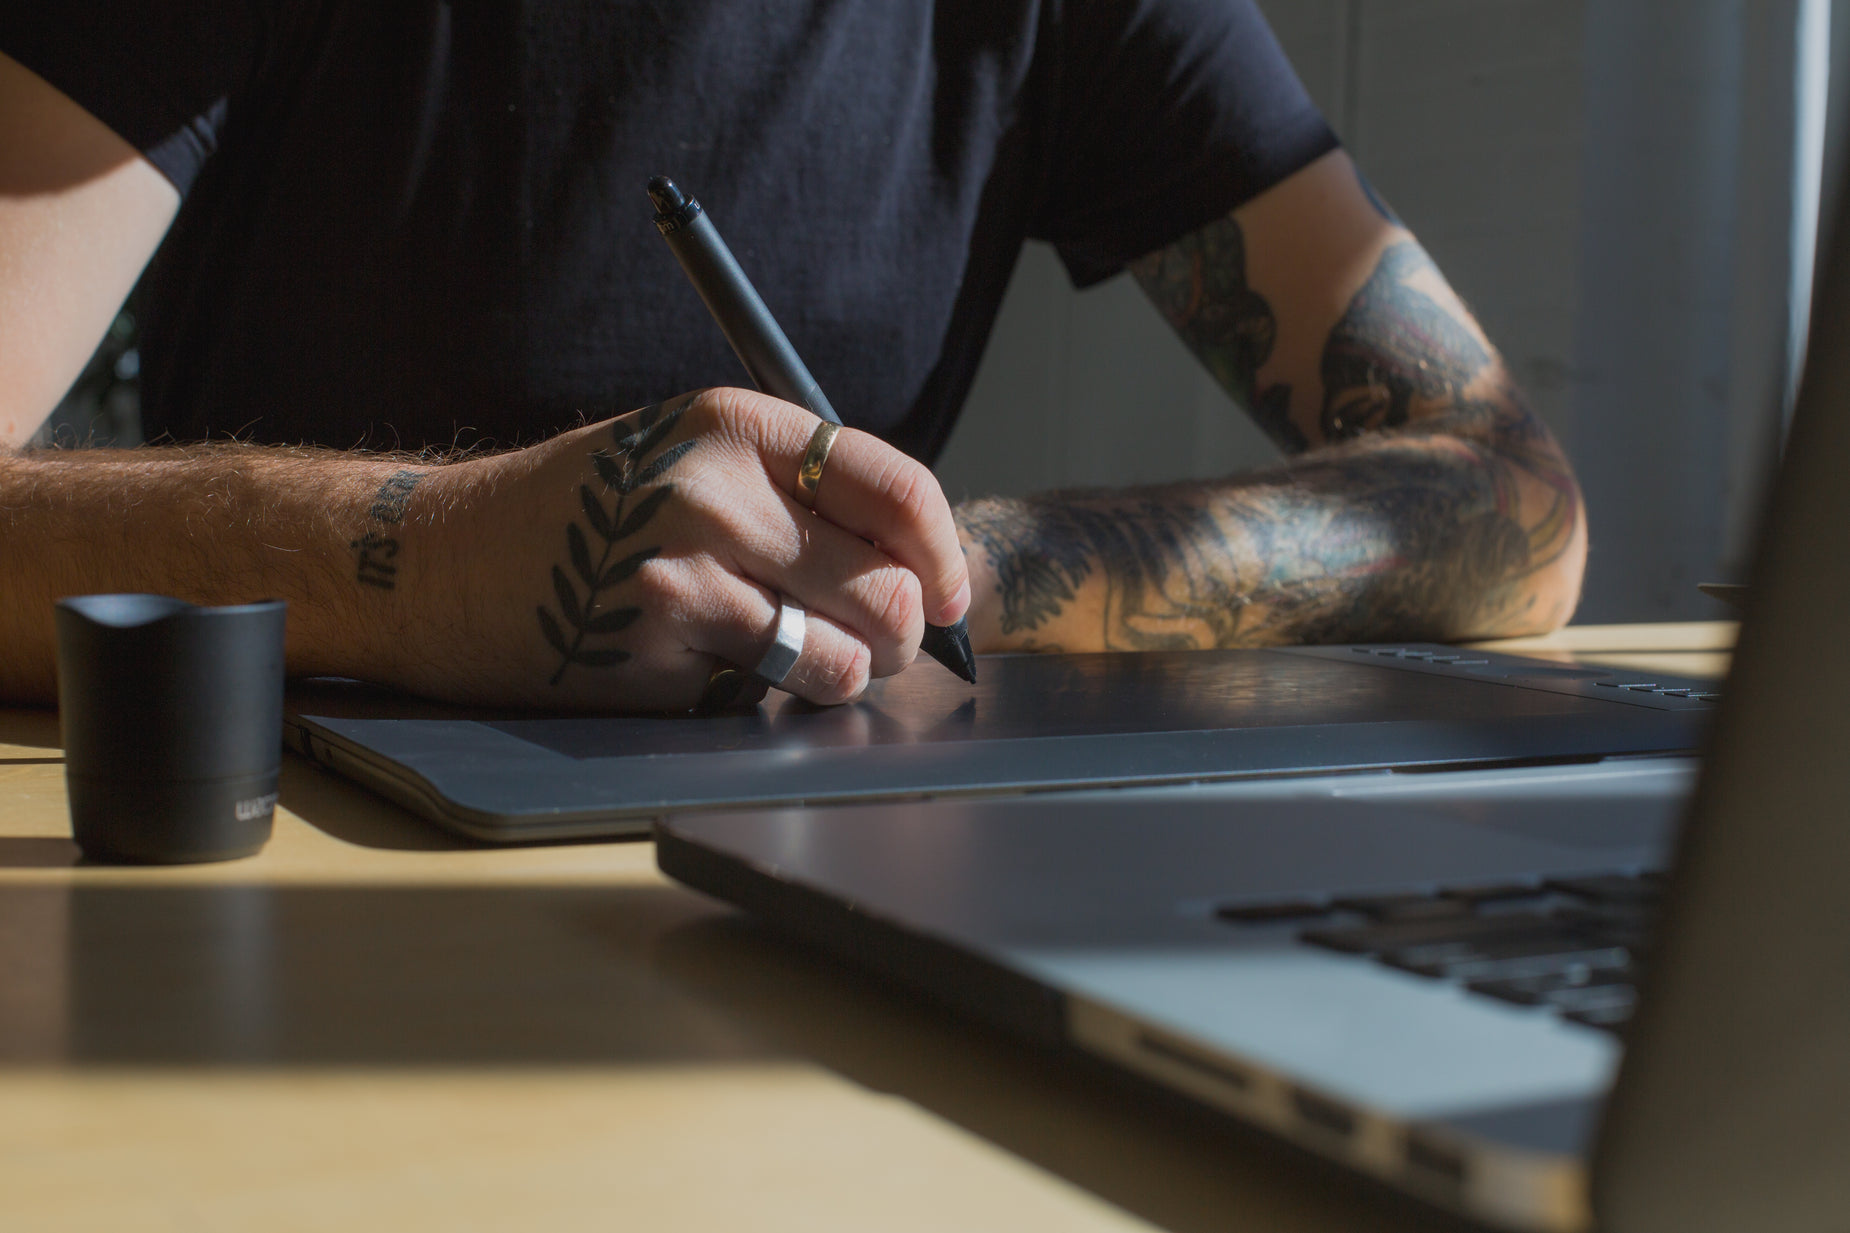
{"x":1553,"y":590}
{"x":1545,"y":521}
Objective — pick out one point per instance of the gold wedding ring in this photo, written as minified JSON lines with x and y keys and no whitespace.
{"x":809,"y":475}
{"x":724,"y":685}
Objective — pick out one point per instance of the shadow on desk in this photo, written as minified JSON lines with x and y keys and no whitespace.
{"x":125,"y":974}
{"x":30,"y":736}
{"x":104,"y":975}
{"x":47,"y":852}
{"x":1133,"y":1145}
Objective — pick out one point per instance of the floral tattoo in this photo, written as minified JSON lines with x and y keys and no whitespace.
{"x":622,"y":469}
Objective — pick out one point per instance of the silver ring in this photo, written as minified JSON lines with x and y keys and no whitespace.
{"x":782,"y":657}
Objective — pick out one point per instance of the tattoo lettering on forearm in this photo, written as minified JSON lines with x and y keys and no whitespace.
{"x":622,"y":469}
{"x":389,"y":502}
{"x":1199,"y":285}
{"x":375,"y":552}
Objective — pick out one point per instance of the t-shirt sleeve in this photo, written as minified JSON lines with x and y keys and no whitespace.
{"x":161,"y":75}
{"x":1166,"y":114}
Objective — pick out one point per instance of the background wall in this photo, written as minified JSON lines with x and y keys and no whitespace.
{"x":1623,"y":191}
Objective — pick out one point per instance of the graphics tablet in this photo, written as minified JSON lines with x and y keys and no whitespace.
{"x":1033,"y":722}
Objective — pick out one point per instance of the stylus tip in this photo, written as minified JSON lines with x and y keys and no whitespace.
{"x":950,"y":646}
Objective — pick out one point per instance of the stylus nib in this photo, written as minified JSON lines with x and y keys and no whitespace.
{"x":950,"y":646}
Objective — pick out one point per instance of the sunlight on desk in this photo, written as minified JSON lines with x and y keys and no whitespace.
{"x":768,"y":1146}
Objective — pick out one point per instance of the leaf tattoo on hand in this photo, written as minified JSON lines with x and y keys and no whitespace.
{"x":622,"y":469}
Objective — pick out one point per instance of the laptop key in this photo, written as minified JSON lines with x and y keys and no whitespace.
{"x":1403,"y":907}
{"x":1530,"y":957}
{"x":1396,"y":935}
{"x":1533,"y":990}
{"x":1580,"y":999}
{"x":1612,"y":1017}
{"x":1612,"y":924}
{"x":1492,"y":892}
{"x":1608,"y":888}
{"x":1267,"y":913}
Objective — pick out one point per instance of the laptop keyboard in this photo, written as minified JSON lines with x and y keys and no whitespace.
{"x":1570,"y":945}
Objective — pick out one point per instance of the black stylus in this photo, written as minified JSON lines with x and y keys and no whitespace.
{"x":766,"y":353}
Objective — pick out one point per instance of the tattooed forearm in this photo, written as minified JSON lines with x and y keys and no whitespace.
{"x":1199,"y":284}
{"x":375,"y":551}
{"x":622,"y":469}
{"x":1432,"y":507}
{"x":1399,"y":538}
{"x":1158,"y":557}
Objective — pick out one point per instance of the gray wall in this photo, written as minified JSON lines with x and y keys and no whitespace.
{"x":1609,"y":184}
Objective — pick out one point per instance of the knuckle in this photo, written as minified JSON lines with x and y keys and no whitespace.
{"x":910,"y":489}
{"x":900,"y":614}
{"x":735,"y":417}
{"x":841,"y":674}
{"x":732,"y":515}
{"x":656,"y":591}
{"x":707,"y":410}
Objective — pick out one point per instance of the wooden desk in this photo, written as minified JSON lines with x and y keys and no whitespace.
{"x":371,"y":1027}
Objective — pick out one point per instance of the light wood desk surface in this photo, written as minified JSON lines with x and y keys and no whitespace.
{"x":368,"y":1026}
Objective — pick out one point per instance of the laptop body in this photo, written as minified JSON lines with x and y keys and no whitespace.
{"x":1154,"y":929}
{"x":1246,"y":952}
{"x":1033,"y":722}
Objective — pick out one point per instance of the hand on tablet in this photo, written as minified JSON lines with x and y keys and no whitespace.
{"x":616,"y":565}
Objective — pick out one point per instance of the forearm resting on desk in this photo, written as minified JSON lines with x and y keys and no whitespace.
{"x":1423,"y":499}
{"x":210,"y":524}
{"x":611,"y":566}
{"x":1442,"y":531}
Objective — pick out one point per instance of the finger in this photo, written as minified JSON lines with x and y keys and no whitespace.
{"x":778,"y":543}
{"x":832,"y":667}
{"x":873,"y":492}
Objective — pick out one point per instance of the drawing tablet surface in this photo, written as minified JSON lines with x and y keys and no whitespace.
{"x":1033,"y":722}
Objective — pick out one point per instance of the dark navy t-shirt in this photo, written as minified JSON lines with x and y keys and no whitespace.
{"x":415,"y":223}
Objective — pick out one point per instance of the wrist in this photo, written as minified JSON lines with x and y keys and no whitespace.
{"x":392,"y":531}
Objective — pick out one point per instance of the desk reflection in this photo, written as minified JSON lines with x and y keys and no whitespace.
{"x":255,"y":975}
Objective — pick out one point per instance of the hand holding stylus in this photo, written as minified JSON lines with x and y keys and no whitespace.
{"x":631,"y":556}
{"x":776,"y":369}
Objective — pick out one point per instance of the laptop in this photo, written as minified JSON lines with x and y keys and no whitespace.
{"x":1585,"y":1004}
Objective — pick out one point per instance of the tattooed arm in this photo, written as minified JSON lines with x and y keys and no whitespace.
{"x":1420,"y":498}
{"x":607,"y":567}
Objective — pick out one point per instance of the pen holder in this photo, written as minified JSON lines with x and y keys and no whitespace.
{"x":172,"y":720}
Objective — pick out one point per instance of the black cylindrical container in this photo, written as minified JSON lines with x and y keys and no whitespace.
{"x":172,"y":717}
